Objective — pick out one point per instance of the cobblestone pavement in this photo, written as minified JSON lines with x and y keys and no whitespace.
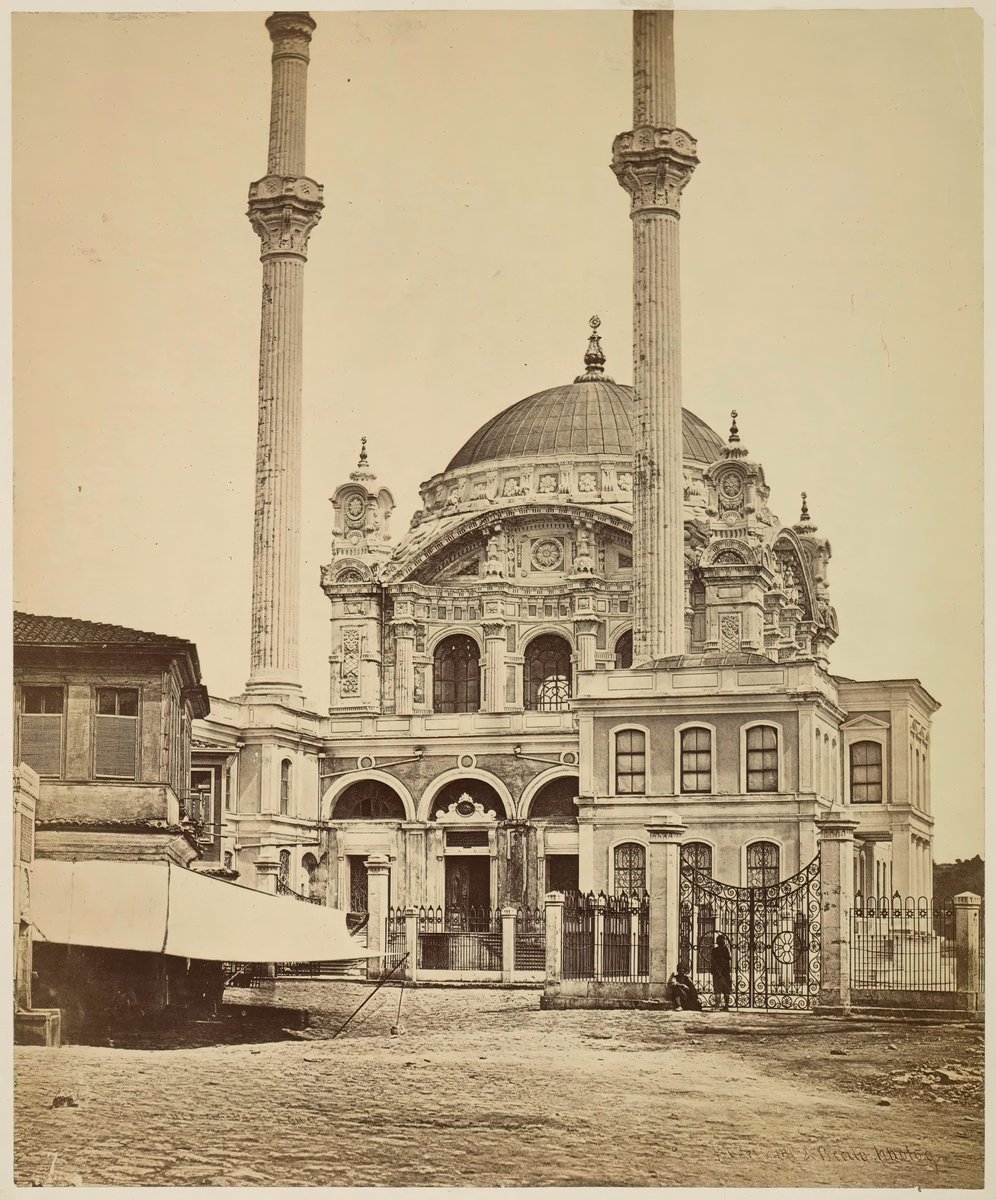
{"x":483,"y":1088}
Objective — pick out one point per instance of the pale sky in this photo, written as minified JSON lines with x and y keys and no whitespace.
{"x":831,"y":292}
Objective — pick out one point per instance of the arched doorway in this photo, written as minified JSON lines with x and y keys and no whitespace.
{"x":365,"y":800}
{"x":468,"y":810}
{"x":624,"y":651}
{"x":553,"y":805}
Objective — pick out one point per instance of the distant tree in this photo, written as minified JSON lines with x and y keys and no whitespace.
{"x":963,"y":875}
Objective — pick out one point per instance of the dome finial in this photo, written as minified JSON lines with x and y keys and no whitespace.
{"x":805,"y":524}
{"x":594,"y":359}
{"x":362,"y":471}
{"x":733,"y":449}
{"x":363,"y":452}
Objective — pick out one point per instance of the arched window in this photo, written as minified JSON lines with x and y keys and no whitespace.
{"x":866,"y":773}
{"x":555,"y":800}
{"x":285,"y":786}
{"x":762,"y":864}
{"x":283,"y":872}
{"x":624,"y":651}
{"x":698,"y":856}
{"x":456,"y":675}
{"x":762,"y":758}
{"x":548,"y":674}
{"x":629,"y":868}
{"x":631,"y":762}
{"x":368,"y":800}
{"x":696,"y":760}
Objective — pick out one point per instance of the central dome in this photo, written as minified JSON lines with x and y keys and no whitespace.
{"x":589,"y":416}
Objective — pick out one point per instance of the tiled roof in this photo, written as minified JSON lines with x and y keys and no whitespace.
{"x":593,"y":416}
{"x":31,"y":630}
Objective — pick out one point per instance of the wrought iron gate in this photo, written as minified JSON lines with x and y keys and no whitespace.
{"x":774,"y":936}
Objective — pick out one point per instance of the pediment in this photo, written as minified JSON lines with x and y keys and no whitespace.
{"x":865,"y":722}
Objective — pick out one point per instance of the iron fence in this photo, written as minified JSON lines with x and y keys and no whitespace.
{"x":395,"y":938}
{"x":465,"y":940}
{"x":530,"y":939}
{"x":285,"y":889}
{"x":606,"y":937}
{"x":903,"y":944}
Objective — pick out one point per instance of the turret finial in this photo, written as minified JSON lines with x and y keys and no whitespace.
{"x":363,"y":452}
{"x":594,"y":358}
{"x":733,"y":449}
{"x":805,"y":524}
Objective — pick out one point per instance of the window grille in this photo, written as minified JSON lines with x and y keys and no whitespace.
{"x":696,"y":760}
{"x":41,"y":729}
{"x":548,"y":674}
{"x":631,"y":762}
{"x":629,"y":869}
{"x":456,"y":677}
{"x":697,"y":856}
{"x":116,"y":743}
{"x":866,"y":773}
{"x":26,"y":846}
{"x":466,"y":839}
{"x":762,"y":759}
{"x":762,"y":864}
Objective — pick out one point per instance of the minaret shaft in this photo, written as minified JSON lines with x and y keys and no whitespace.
{"x":653,"y":163}
{"x":284,"y":207}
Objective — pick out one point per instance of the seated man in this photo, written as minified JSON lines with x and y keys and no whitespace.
{"x":680,"y":991}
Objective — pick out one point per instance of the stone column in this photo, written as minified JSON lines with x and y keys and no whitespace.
{"x":664,"y":883}
{"x":586,"y":631}
{"x":378,"y":872}
{"x":267,"y":870}
{"x":969,"y":978}
{"x":284,"y":207}
{"x":836,"y":835}
{"x":404,"y":667}
{"x":507,"y":943}
{"x":495,"y":644}
{"x":554,"y":904}
{"x":653,"y":162}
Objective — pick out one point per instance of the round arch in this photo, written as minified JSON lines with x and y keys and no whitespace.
{"x":435,"y":786}
{"x":539,"y":782}
{"x":345,"y":781}
{"x":545,"y":629}
{"x":454,"y":629}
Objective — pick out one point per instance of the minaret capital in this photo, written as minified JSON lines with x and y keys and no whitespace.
{"x":291,"y":33}
{"x":283,"y":210}
{"x":653,"y":164}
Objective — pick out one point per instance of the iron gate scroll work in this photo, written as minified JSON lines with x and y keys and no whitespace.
{"x":774,"y":935}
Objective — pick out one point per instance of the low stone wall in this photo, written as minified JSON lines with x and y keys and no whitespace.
{"x":916,"y":1001}
{"x":598,"y":993}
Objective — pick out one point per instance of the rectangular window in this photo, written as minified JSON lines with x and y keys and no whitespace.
{"x":631,"y":762}
{"x":866,"y":773}
{"x":696,"y":760}
{"x":116,"y":743}
{"x":201,"y":805}
{"x":42,"y":711}
{"x":762,"y":759}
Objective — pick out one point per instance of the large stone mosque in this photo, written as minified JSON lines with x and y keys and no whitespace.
{"x":595,"y":621}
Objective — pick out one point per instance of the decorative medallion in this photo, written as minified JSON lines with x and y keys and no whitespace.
{"x":548,"y":483}
{"x":547,"y":555}
{"x":465,"y":807}
{"x":355,"y":507}
{"x":510,"y":487}
{"x":587,"y":481}
{"x":625,"y":481}
{"x":731,"y":484}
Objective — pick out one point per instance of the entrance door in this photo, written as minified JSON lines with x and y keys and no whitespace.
{"x":468,"y":891}
{"x":562,"y":872}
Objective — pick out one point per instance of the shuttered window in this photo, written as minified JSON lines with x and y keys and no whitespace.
{"x":26,"y":848}
{"x":116,"y":753}
{"x":41,"y":729}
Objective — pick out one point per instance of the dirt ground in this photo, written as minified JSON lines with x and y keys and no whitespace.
{"x":482,"y":1088}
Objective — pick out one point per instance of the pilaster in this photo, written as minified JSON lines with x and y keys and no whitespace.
{"x":664,"y":883}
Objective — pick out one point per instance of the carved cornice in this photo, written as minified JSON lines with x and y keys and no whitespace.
{"x":653,"y":165}
{"x":283,"y":210}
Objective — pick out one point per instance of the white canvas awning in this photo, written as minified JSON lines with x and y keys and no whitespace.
{"x":164,"y":909}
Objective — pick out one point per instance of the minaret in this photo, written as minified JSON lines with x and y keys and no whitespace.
{"x":284,"y":207}
{"x":653,"y":163}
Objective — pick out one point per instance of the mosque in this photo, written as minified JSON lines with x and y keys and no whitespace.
{"x":594,"y":621}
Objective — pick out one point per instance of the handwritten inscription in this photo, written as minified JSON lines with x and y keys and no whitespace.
{"x":898,"y":1155}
